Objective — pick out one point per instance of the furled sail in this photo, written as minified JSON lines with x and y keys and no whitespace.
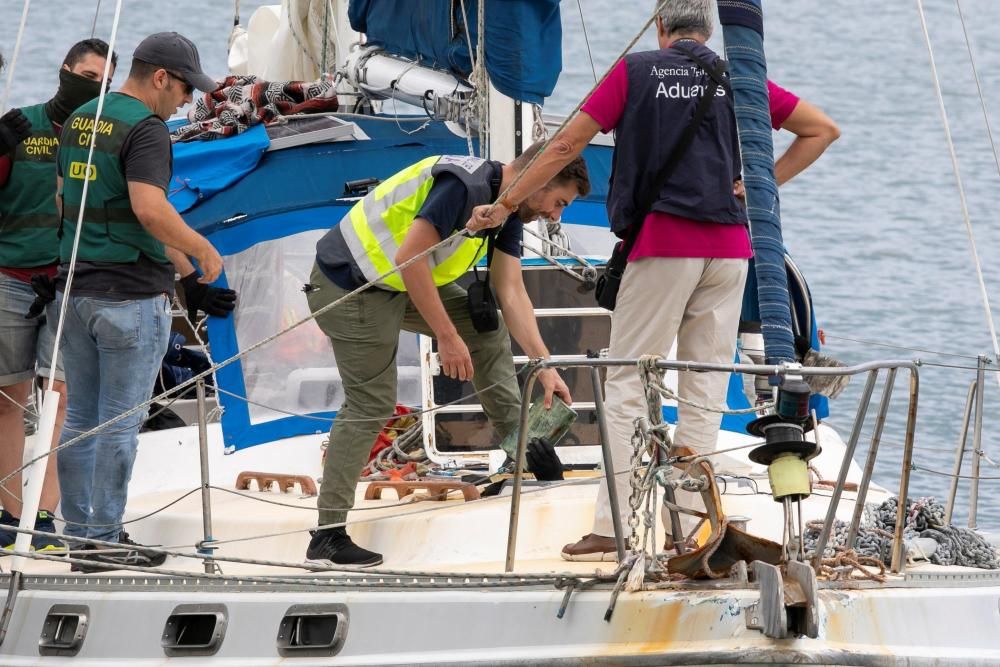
{"x":523,"y":38}
{"x":743,"y":27}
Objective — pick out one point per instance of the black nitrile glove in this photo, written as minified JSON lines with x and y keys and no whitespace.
{"x":45,"y":293}
{"x":543,"y":461}
{"x":14,"y":128}
{"x":215,"y":301}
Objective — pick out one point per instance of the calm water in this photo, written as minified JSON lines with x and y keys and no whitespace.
{"x":875,"y":225}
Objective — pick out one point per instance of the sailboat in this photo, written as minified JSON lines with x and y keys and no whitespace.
{"x":468,"y":580}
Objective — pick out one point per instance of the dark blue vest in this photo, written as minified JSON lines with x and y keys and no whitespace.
{"x":663,"y":91}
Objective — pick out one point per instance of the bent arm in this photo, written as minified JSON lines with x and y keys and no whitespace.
{"x":418,"y":279}
{"x":815,"y":132}
{"x":518,"y":311}
{"x":150,"y":205}
{"x":519,"y":314}
{"x":563,"y":149}
{"x":161,"y":220}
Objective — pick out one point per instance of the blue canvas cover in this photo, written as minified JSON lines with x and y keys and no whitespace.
{"x":523,"y":38}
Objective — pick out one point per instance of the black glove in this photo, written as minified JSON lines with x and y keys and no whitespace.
{"x":215,"y":301}
{"x":45,"y":293}
{"x":543,"y":461}
{"x":14,"y":128}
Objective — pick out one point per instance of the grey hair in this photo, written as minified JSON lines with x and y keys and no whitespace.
{"x":687,"y":16}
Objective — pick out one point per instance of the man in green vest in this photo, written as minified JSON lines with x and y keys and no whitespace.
{"x":401,"y":218}
{"x":123,"y":258}
{"x":29,"y":246}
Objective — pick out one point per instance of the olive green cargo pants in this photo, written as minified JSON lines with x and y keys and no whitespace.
{"x":364,"y":331}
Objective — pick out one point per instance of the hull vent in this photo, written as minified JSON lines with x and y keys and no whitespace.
{"x":312,"y":630}
{"x":195,"y":629}
{"x":64,"y":630}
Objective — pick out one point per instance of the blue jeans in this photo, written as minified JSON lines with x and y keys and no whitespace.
{"x":112,"y":352}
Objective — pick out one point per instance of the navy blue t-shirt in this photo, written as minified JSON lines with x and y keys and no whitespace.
{"x":444,"y":208}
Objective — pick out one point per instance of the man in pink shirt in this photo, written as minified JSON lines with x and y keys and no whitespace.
{"x":687,"y":268}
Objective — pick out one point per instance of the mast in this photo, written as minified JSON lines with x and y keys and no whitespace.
{"x":743,"y":28}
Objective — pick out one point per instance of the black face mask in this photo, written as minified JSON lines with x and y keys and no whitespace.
{"x":74,"y":91}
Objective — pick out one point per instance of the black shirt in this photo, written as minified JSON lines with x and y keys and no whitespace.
{"x":146,"y":157}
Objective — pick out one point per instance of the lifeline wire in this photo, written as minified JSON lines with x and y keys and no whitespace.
{"x":961,"y":188}
{"x":362,"y":420}
{"x":239,"y":355}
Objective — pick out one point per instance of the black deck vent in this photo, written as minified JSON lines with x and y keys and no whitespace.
{"x":64,"y":630}
{"x":195,"y":629}
{"x":313,"y":630}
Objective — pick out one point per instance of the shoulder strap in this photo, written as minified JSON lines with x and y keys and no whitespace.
{"x":490,"y":244}
{"x":717,"y":74}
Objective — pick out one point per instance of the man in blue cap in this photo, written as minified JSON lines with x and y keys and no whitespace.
{"x":117,"y":322}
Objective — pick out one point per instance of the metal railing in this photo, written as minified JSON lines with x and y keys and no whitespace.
{"x":872,"y":370}
{"x":973,"y":413}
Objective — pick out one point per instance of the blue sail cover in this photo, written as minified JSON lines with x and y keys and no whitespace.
{"x":743,"y":27}
{"x":523,"y":39}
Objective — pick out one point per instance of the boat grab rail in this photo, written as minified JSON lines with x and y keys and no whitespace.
{"x":871,"y":369}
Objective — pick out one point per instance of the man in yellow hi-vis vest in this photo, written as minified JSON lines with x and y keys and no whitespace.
{"x":405,"y":215}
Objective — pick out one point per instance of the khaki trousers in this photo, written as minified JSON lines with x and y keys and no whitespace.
{"x":695,"y":301}
{"x":365,"y":334}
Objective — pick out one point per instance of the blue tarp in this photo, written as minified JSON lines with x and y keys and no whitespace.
{"x":523,"y":38}
{"x":203,"y":168}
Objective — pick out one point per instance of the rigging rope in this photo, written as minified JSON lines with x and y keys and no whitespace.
{"x":83,"y":197}
{"x":961,"y":187}
{"x":586,"y":39}
{"x":517,"y":177}
{"x":979,"y":85}
{"x":13,"y":58}
{"x":97,"y":12}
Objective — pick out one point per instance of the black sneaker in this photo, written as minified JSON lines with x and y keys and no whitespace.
{"x":129,"y":554}
{"x":50,"y":542}
{"x":8,"y":536}
{"x":334,"y":546}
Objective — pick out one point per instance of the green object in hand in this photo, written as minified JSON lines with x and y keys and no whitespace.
{"x":551,"y":424}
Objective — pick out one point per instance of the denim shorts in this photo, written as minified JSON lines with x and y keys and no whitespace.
{"x":25,"y":345}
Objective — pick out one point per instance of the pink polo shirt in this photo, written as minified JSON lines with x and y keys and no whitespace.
{"x":665,"y":235}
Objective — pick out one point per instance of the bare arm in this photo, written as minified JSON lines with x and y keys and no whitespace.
{"x":180,"y":261}
{"x":519,"y":315}
{"x":456,"y":361}
{"x":150,"y":205}
{"x":562,"y":150}
{"x":815,"y":132}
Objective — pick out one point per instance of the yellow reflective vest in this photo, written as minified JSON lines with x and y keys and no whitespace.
{"x":375,"y":227}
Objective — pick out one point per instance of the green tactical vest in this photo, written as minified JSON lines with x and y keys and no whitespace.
{"x":29,"y":221}
{"x":111,"y":232}
{"x":375,"y":227}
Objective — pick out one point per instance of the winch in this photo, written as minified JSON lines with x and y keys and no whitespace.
{"x":785,"y":451}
